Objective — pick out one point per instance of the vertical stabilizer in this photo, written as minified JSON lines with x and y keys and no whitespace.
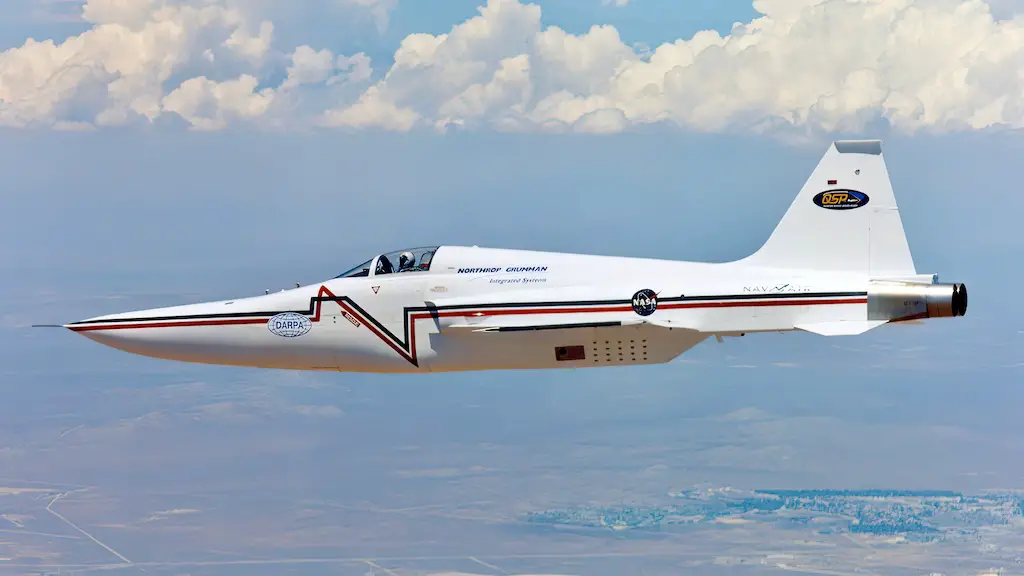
{"x":845,"y":218}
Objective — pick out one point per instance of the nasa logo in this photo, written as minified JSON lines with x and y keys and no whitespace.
{"x":645,"y":302}
{"x":841,"y":199}
{"x":289,"y":325}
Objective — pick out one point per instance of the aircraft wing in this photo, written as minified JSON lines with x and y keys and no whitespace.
{"x":534,"y":324}
{"x":517,"y":325}
{"x":532,"y":310}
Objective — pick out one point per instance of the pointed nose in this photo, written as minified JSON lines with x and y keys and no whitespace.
{"x":186,"y":333}
{"x":265,"y":331}
{"x":144,"y":332}
{"x":119,"y":337}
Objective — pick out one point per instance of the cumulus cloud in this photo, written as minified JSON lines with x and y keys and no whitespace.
{"x":117,"y":69}
{"x":821,"y":64}
{"x":207,"y":104}
{"x":832,"y":65}
{"x":141,"y":59}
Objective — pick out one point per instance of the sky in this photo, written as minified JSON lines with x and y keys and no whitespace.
{"x":162,"y":152}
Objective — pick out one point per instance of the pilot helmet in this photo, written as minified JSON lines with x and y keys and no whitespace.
{"x":406,"y":259}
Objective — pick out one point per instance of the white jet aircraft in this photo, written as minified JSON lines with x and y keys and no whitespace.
{"x":838,"y":263}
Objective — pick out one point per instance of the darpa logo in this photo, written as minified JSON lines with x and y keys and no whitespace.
{"x":289,"y":325}
{"x":841,"y":199}
{"x":645,"y":302}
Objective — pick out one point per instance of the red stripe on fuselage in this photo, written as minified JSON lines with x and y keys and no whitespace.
{"x":171,"y":324}
{"x":482,"y":311}
{"x":744,"y":304}
{"x":411,"y":355}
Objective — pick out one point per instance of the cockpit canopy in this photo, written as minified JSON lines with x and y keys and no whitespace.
{"x":399,"y":261}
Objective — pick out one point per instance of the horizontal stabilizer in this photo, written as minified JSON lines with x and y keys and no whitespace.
{"x":841,"y":328}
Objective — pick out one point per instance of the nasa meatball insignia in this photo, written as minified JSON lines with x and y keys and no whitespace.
{"x":645,"y":302}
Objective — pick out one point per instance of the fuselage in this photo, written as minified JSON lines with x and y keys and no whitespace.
{"x":535,"y":303}
{"x":838,"y":263}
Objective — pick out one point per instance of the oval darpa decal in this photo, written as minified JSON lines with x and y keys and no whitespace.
{"x":645,"y":302}
{"x":289,"y":325}
{"x":840,"y":199}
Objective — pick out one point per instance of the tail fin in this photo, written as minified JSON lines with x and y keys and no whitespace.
{"x":845,"y":218}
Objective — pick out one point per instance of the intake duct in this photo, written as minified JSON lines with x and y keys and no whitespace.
{"x":895,"y":301}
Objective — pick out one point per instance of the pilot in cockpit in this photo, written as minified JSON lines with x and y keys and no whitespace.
{"x":406,"y":261}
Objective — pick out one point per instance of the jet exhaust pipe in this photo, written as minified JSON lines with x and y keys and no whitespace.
{"x":895,"y":301}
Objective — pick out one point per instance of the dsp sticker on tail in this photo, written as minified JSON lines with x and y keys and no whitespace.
{"x":840,"y":199}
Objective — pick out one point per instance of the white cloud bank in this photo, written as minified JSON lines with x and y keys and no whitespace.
{"x":811,"y":64}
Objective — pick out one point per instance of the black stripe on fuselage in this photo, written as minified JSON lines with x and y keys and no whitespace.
{"x":553,"y":327}
{"x":405,"y":344}
{"x":314,"y":300}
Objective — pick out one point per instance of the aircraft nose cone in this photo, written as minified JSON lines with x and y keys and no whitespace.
{"x":112,"y":338}
{"x":160,"y":332}
{"x":228,"y":333}
{"x":107,"y":330}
